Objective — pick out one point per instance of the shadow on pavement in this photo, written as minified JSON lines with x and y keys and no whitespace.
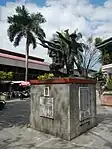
{"x":9,"y":144}
{"x":15,"y":114}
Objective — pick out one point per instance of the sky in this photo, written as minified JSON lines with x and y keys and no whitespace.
{"x":91,"y":17}
{"x":42,"y":2}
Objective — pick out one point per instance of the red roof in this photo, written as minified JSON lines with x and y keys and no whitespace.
{"x":22,"y":59}
{"x":5,"y":51}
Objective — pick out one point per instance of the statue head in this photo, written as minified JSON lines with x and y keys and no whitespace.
{"x":73,"y":35}
{"x":79,"y":35}
{"x":76,"y":36}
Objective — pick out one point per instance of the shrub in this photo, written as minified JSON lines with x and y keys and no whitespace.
{"x":109,"y":84}
{"x":6,"y":75}
{"x":46,"y":76}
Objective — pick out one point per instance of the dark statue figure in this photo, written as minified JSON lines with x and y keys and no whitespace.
{"x":64,"y":57}
{"x":74,"y":48}
{"x":54,"y":52}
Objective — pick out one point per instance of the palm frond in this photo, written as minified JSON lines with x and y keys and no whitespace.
{"x":22,"y":11}
{"x":40,"y":32}
{"x":22,"y":17}
{"x":38,"y":18}
{"x":18,"y":38}
{"x":20,"y":20}
{"x":13,"y":30}
{"x":31,"y":39}
{"x":25,"y":24}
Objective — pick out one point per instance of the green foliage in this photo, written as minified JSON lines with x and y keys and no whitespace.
{"x":98,"y":40}
{"x":6,"y":75}
{"x":46,"y":76}
{"x":24,"y":24}
{"x":9,"y":75}
{"x":99,"y":76}
{"x":109,"y":84}
{"x":3,"y":75}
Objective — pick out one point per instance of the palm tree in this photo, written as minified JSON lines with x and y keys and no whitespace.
{"x":24,"y":24}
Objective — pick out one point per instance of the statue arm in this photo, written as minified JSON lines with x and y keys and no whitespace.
{"x":55,"y":49}
{"x":52,"y":44}
{"x":56,"y":44}
{"x":61,"y":36}
{"x":51,"y":48}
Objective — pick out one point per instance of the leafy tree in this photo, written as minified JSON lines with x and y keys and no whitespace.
{"x":24,"y":24}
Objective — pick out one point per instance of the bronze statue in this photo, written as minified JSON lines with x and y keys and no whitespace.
{"x":74,"y":49}
{"x":64,"y":56}
{"x":55,"y":52}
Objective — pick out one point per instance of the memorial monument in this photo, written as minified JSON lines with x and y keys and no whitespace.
{"x":64,"y":107}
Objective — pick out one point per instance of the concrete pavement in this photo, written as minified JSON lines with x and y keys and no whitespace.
{"x":15,"y":133}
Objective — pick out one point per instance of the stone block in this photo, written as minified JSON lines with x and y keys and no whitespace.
{"x":64,"y":108}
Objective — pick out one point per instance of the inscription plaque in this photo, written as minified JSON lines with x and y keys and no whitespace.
{"x":84,"y":103}
{"x":46,"y":91}
{"x":46,"y":107}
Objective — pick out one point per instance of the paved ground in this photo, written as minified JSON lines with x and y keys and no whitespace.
{"x":15,"y":134}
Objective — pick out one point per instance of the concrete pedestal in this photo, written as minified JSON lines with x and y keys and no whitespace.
{"x":64,"y":107}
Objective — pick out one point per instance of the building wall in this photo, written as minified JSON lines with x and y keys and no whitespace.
{"x":19,"y":72}
{"x":19,"y":63}
{"x":15,"y":62}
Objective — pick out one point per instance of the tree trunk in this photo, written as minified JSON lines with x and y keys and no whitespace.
{"x":26,"y":62}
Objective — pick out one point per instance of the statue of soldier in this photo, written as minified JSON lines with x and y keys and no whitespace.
{"x":55,"y":53}
{"x":73,"y":46}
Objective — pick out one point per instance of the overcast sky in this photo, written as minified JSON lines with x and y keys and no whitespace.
{"x":91,"y":17}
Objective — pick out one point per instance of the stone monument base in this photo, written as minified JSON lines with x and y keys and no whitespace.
{"x":63,"y":107}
